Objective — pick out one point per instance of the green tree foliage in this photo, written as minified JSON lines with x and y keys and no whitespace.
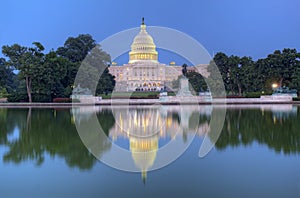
{"x":8,"y":79}
{"x":220,"y":60}
{"x":106,"y":83}
{"x":94,"y":65}
{"x":282,"y":64}
{"x":3,"y":92}
{"x":295,"y":81}
{"x":48,"y":81}
{"x":3,"y":78}
{"x":76,"y":49}
{"x":232,"y":72}
{"x":214,"y":80}
{"x":27,"y":60}
{"x":242,"y":75}
{"x":196,"y":81}
{"x":43,"y":77}
{"x":83,"y":52}
{"x":246,"y":75}
{"x":3,"y":72}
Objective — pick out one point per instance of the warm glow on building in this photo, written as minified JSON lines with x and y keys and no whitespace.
{"x":143,"y":72}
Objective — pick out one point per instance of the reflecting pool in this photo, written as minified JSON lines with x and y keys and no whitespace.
{"x":56,"y":152}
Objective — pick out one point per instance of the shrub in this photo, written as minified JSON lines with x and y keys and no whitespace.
{"x":3,"y":92}
{"x":234,"y":96}
{"x":256,"y":94}
{"x":41,"y":97}
{"x":62,"y":100}
{"x":253,"y":94}
{"x":131,"y":95}
{"x":17,"y":97}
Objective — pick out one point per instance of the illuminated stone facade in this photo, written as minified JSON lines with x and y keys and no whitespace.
{"x":143,"y":72}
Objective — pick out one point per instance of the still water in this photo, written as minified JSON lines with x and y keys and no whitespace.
{"x":43,"y":154}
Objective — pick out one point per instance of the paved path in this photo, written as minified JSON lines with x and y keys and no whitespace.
{"x":166,"y":101}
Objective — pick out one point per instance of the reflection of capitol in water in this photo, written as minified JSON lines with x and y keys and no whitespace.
{"x":146,"y":122}
{"x":144,"y":127}
{"x":143,"y":152}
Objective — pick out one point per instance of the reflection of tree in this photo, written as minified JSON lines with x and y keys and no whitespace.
{"x":246,"y":126}
{"x":93,"y":137}
{"x":9,"y":119}
{"x":3,"y":127}
{"x":51,"y":132}
{"x":195,"y":120}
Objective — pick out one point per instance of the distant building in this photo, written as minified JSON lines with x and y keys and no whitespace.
{"x":143,"y":72}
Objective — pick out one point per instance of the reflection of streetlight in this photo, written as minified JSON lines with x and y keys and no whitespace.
{"x":274,"y":85}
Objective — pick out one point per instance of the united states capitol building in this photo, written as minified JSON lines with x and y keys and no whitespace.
{"x":143,"y":72}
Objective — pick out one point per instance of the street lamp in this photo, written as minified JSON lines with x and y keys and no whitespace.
{"x":274,"y":85}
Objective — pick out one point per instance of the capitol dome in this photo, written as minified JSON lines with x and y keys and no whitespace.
{"x":143,"y":47}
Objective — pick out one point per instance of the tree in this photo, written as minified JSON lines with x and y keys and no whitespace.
{"x":3,"y":92}
{"x":47,"y":76}
{"x":106,"y":83}
{"x":7,"y":77}
{"x":231,"y":72}
{"x":261,"y":73}
{"x":3,"y":78}
{"x":221,"y":60}
{"x":247,"y":77}
{"x":234,"y":75}
{"x":242,"y":75}
{"x":95,"y":64}
{"x":282,"y":65}
{"x":76,"y":49}
{"x":26,"y":60}
{"x":215,"y":81}
{"x":295,"y":82}
{"x":48,"y":83}
{"x":3,"y":72}
{"x":196,"y":81}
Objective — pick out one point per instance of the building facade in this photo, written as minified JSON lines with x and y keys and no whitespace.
{"x":143,"y":72}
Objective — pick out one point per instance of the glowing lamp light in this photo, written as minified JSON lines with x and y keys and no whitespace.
{"x":274,"y":85}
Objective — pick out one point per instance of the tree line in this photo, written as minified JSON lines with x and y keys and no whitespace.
{"x":30,"y":74}
{"x":41,"y":76}
{"x":242,"y":75}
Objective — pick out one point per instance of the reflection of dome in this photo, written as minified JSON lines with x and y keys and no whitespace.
{"x":143,"y":152}
{"x":143,"y":47}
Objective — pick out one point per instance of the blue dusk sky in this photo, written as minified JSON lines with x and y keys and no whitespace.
{"x":245,"y":28}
